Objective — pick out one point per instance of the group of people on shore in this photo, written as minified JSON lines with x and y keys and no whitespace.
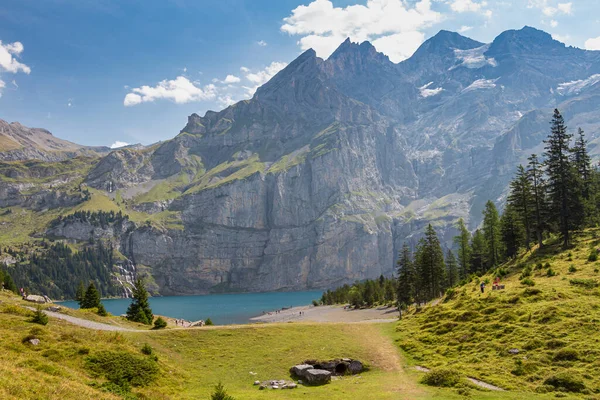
{"x":182,"y":322}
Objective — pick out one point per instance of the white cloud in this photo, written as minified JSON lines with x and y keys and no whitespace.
{"x":231,"y":79}
{"x":180,"y":90}
{"x":8,"y":58}
{"x":426,"y":92}
{"x":225,"y":101}
{"x":2,"y":86}
{"x":260,"y":77}
{"x":465,"y":28}
{"x":554,"y":23}
{"x":561,"y":38}
{"x":261,"y":43}
{"x":393,"y":26}
{"x":593,"y":43}
{"x":565,"y":8}
{"x":15,"y":84}
{"x":118,"y":144}
{"x":461,"y":6}
{"x":550,"y":10}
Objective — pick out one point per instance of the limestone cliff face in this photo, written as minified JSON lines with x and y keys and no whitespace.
{"x":334,"y":164}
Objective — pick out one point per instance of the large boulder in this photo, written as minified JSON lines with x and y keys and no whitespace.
{"x":34,"y":298}
{"x":317,"y":376}
{"x":355,"y":367}
{"x":299,"y":370}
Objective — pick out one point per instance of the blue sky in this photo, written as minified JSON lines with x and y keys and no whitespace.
{"x":98,"y":72}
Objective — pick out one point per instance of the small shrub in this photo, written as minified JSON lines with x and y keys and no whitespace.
{"x":539,"y":266}
{"x":450,"y":294}
{"x":550,"y":273}
{"x":544,"y":389}
{"x":566,"y":355}
{"x":547,"y":265}
{"x":39,"y":317}
{"x":566,"y":382}
{"x":501,"y":272}
{"x":102,"y":311}
{"x":572,"y":268}
{"x":533,"y":344}
{"x":593,"y":255}
{"x":315,"y":303}
{"x":220,"y":393}
{"x":531,"y":292}
{"x":122,"y":368}
{"x":84,"y":351}
{"x":526,"y":272}
{"x":527,"y":282}
{"x":555,"y":344}
{"x":160,"y":323}
{"x":585,"y":283}
{"x":208,"y":322}
{"x":443,"y":377}
{"x":147,"y":349}
{"x":523,"y":368}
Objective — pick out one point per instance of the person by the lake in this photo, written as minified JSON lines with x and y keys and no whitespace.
{"x":482,"y":286}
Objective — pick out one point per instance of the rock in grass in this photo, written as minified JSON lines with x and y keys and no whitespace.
{"x":317,"y":376}
{"x":34,"y":342}
{"x":513,"y":351}
{"x":355,"y":367}
{"x":299,"y":370}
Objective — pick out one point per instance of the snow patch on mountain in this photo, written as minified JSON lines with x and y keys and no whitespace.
{"x":481,"y":84}
{"x":473,"y":58}
{"x":426,"y":92}
{"x":575,"y":87}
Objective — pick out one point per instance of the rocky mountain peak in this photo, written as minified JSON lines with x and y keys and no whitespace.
{"x":445,"y":42}
{"x":525,"y":41}
{"x":351,"y":52}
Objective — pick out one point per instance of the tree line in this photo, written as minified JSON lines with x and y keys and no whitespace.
{"x":96,"y":218}
{"x":367,"y":293}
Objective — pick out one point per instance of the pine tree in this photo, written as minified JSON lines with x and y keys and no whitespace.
{"x":563,"y":187}
{"x":80,"y":294}
{"x":91,"y":298}
{"x":491,"y":232}
{"x":139,"y":309}
{"x":512,"y":231}
{"x":464,"y":249}
{"x":521,"y":200}
{"x":539,"y":200}
{"x":9,"y":284}
{"x":220,"y":393}
{"x":406,"y":279}
{"x":429,"y":264}
{"x":452,"y":276}
{"x":582,"y":160}
{"x":478,"y":252}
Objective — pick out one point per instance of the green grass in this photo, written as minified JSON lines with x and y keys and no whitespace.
{"x":548,"y":322}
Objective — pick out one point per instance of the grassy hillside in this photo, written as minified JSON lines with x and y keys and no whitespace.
{"x":549,"y":312}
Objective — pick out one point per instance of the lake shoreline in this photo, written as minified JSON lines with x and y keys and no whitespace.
{"x":335,"y":313}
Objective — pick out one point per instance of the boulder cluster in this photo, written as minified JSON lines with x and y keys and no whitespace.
{"x":314,"y":372}
{"x":276,"y":384}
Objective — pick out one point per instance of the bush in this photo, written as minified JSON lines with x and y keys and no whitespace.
{"x":147,"y":349}
{"x":585,"y":283}
{"x":572,"y":268}
{"x":539,"y":266}
{"x":102,"y":311}
{"x":533,"y":344}
{"x":220,"y":393}
{"x":566,"y":355}
{"x":122,"y":368}
{"x":555,"y":344}
{"x":160,"y":323}
{"x":450,"y":294}
{"x":444,"y":377}
{"x":208,"y":322}
{"x":526,"y":272}
{"x":550,"y":273}
{"x":566,"y":382}
{"x":593,"y":255}
{"x":39,"y":317}
{"x":527,"y":282}
{"x":547,"y":265}
{"x":315,"y":303}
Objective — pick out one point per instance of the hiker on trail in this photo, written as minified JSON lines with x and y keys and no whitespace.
{"x":482,"y":286}
{"x":497,"y":282}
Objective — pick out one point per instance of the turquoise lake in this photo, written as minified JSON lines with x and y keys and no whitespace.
{"x":222,"y":309}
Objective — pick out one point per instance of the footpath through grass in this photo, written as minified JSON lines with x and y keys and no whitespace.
{"x":549,"y":312}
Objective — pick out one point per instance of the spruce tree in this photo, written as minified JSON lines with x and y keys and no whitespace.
{"x":563,"y":187}
{"x":512,"y":231}
{"x":429,"y":264}
{"x":9,"y":284}
{"x":478,"y":252}
{"x":406,"y":279}
{"x":452,"y":276}
{"x":139,"y":309}
{"x":464,"y":249}
{"x":80,"y":294}
{"x":520,"y":200}
{"x":491,"y":232}
{"x":583,"y":165}
{"x":91,"y":298}
{"x":535,"y":174}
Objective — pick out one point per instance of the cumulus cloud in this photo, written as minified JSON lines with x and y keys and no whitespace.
{"x":393,"y":26}
{"x":461,"y":6}
{"x":179,"y":90}
{"x":8,"y":58}
{"x":465,"y":28}
{"x":231,"y":79}
{"x":261,"y":43}
{"x":118,"y":144}
{"x":593,"y":43}
{"x":561,"y":38}
{"x":260,"y":77}
{"x":2,"y":86}
{"x":554,"y":23}
{"x":550,"y":9}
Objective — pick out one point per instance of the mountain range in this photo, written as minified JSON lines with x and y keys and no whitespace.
{"x":319,"y":178}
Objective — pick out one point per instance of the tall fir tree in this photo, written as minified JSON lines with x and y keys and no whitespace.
{"x":464,"y":249}
{"x":583,"y":165}
{"x":491,"y":232}
{"x":91,"y":299}
{"x":478,"y":252}
{"x":563,"y":183}
{"x":139,"y":310}
{"x":429,"y":264}
{"x":80,"y":294}
{"x":452,"y":275}
{"x":536,"y":179}
{"x":512,"y":231}
{"x":520,"y":199}
{"x":406,"y":279}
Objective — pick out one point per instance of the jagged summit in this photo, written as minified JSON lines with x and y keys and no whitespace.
{"x":444,"y":42}
{"x":526,"y":40}
{"x":353,"y":50}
